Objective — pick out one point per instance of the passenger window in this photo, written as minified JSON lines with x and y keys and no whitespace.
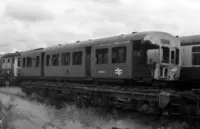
{"x":77,"y":58}
{"x":37,"y":61}
{"x":119,"y":54}
{"x":29,"y":61}
{"x":196,"y":55}
{"x":24,"y":62}
{"x":102,"y":56}
{"x":47,"y":60}
{"x":8,"y":60}
{"x":3,"y":61}
{"x":18,"y":62}
{"x":55,"y":59}
{"x":66,"y":58}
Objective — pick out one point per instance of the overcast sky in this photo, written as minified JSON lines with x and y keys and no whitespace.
{"x":29,"y":24}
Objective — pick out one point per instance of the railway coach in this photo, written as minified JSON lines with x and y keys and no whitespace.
{"x":190,"y":59}
{"x":10,"y":67}
{"x":135,"y":57}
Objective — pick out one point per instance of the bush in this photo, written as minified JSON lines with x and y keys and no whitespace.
{"x":5,"y":114}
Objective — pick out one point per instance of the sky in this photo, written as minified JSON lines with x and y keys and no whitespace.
{"x":30,"y":24}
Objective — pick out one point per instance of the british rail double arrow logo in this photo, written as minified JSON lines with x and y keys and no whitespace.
{"x":118,"y":71}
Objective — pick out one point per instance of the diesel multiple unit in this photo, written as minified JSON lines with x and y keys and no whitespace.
{"x":131,"y":71}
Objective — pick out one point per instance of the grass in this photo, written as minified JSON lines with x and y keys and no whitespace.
{"x":6,"y":110}
{"x":31,"y":114}
{"x":12,"y":90}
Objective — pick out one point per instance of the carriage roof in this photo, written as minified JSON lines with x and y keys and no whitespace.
{"x":108,"y":40}
{"x":11,"y":55}
{"x":190,"y":40}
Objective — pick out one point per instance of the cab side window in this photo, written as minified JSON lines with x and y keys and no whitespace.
{"x":119,"y":54}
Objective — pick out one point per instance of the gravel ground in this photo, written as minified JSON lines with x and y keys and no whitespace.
{"x":28,"y":114}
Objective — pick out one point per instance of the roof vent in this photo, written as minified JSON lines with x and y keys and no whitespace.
{"x":90,"y":39}
{"x":122,"y":34}
{"x":134,"y":32}
{"x":59,"y":44}
{"x":177,"y":36}
{"x":77,"y":41}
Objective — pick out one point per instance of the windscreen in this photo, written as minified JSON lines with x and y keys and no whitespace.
{"x":165,"y":58}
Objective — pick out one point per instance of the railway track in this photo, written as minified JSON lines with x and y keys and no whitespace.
{"x":120,"y":115}
{"x":153,"y":117}
{"x":180,"y":104}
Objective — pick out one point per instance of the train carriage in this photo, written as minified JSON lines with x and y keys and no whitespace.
{"x":143,"y":56}
{"x":190,"y":58}
{"x":10,"y":67}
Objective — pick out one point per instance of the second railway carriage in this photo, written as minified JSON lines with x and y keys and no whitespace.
{"x":190,"y":58}
{"x":10,"y":66}
{"x":143,"y":56}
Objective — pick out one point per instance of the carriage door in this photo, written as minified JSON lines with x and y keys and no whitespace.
{"x":42,"y":64}
{"x":88,"y":61}
{"x":139,"y":62}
